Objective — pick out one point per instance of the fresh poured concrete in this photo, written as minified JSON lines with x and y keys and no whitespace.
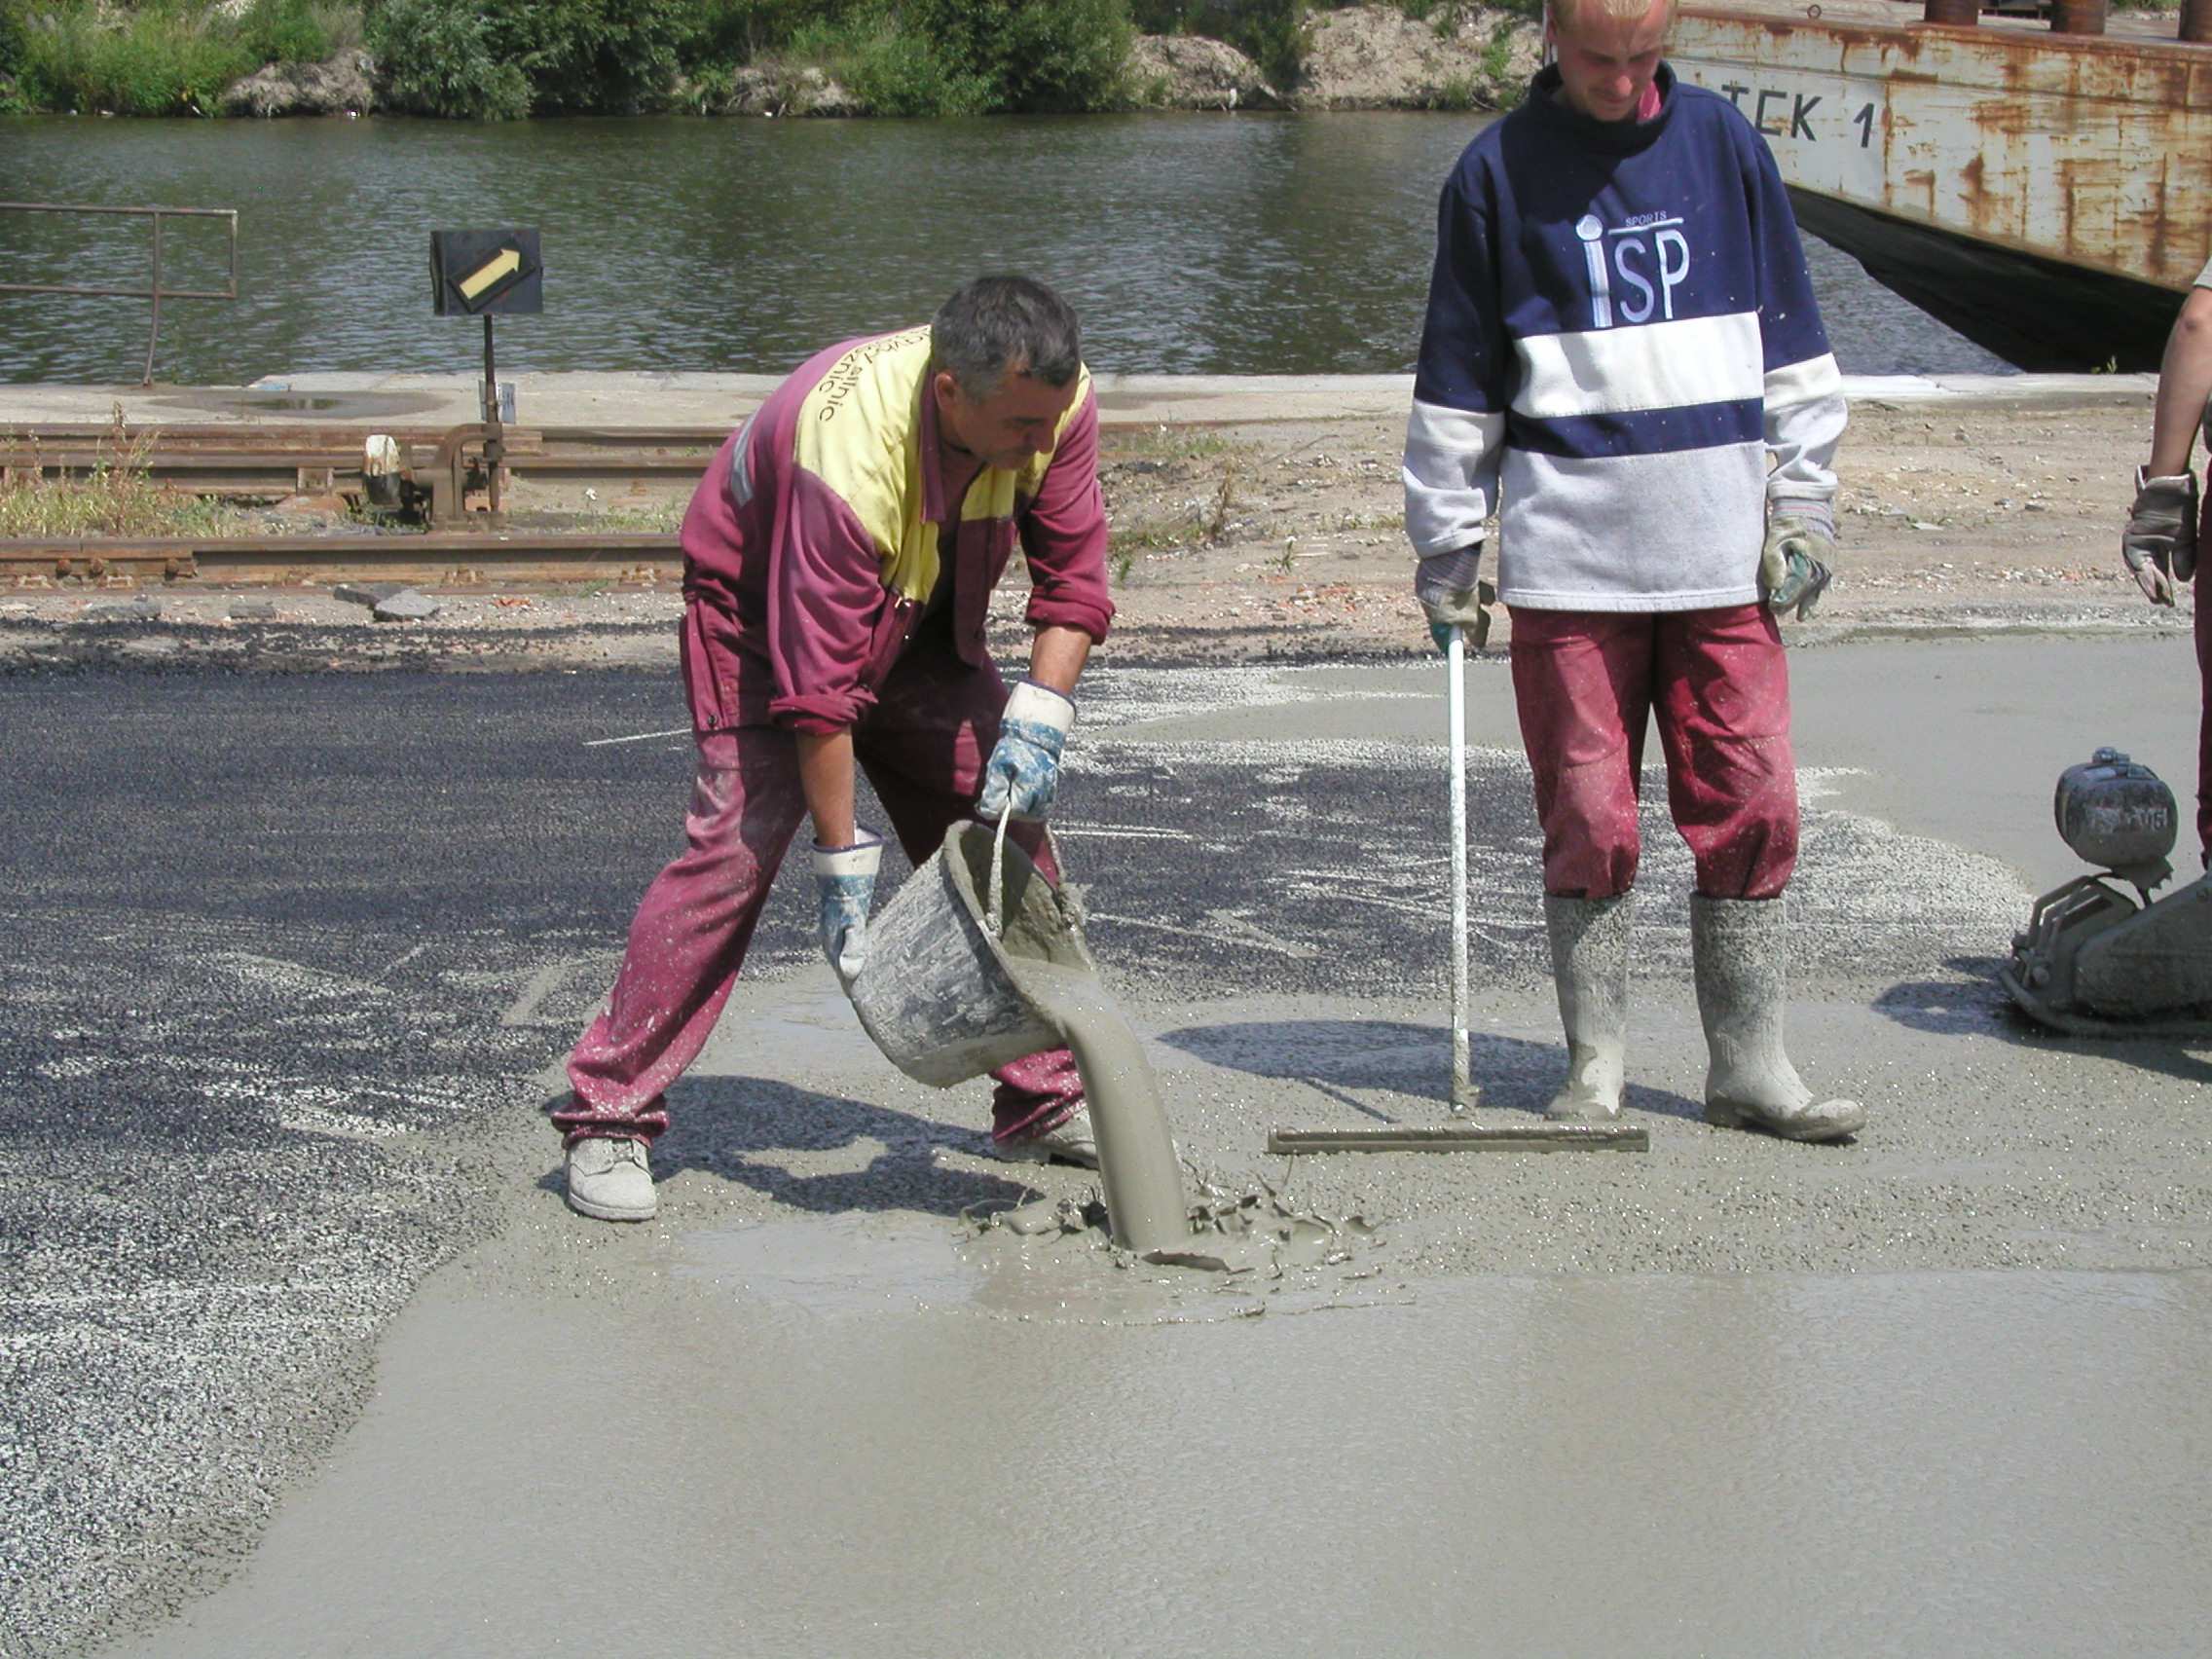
{"x":1937,"y":1391}
{"x":841,"y":1438}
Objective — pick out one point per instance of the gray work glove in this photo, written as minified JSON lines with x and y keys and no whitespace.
{"x":1798,"y":558}
{"x":844,"y":886}
{"x":1024,"y":767}
{"x":1453,"y":597}
{"x":2159,"y":542}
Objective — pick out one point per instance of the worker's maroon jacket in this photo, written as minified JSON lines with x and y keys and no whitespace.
{"x":816,"y":538}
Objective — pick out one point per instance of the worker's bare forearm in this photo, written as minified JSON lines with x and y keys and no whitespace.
{"x":826,"y":778}
{"x":1057,"y":657}
{"x":2185,"y":384}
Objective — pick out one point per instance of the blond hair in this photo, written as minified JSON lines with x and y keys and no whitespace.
{"x":1566,"y":13}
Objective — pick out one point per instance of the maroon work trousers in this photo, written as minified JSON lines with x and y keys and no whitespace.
{"x":923,"y":746}
{"x":1587,"y":684}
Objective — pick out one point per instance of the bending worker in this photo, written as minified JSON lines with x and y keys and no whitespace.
{"x":1622,"y":358}
{"x":838,"y":562}
{"x":2164,"y":528}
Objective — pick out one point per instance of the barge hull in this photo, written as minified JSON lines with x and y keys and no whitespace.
{"x":1957,"y":162}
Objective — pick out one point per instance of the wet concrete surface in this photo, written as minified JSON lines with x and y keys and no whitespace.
{"x":1902,"y":1463}
{"x":294,"y":957}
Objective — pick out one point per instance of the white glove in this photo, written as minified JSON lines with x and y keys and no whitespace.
{"x":1453,"y":595}
{"x":2159,"y":544}
{"x":1798,"y":558}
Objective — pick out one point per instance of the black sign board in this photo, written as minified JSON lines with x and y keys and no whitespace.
{"x":486,"y":274}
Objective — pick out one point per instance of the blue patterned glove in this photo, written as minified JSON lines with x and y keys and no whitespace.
{"x":1025,"y":765}
{"x":844,"y":886}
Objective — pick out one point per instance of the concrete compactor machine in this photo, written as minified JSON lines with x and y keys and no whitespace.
{"x":2095,"y":961}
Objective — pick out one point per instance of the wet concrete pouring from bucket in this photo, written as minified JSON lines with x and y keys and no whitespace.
{"x":948,"y":995}
{"x":955,"y":986}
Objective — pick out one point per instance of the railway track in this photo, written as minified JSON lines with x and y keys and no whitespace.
{"x":271,"y":463}
{"x":281,"y":460}
{"x":437,"y":558}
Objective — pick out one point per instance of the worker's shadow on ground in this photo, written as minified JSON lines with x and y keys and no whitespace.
{"x":1972,"y":1002}
{"x":747,"y":1129}
{"x":1336,"y":1056}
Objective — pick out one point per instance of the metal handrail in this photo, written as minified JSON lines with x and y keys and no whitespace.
{"x":155,"y":292}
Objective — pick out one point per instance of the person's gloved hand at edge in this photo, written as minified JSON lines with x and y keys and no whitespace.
{"x":844,"y":887}
{"x":2159,"y":544}
{"x":1799,"y":559}
{"x":1453,"y":595}
{"x":1024,"y":767}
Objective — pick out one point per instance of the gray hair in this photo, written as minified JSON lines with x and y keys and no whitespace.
{"x":1000,"y":325}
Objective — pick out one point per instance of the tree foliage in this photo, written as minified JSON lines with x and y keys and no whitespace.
{"x":1270,"y":32}
{"x":500,"y":60}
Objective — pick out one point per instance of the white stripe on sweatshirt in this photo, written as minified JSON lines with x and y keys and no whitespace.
{"x":1660,"y":365}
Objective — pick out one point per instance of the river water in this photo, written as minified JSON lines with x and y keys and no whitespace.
{"x":1190,"y":243}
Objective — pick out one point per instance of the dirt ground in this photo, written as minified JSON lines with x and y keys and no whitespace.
{"x":1272,"y":541}
{"x":1954,"y":517}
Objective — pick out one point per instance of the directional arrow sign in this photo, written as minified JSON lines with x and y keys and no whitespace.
{"x":485,"y":272}
{"x":505,"y":264}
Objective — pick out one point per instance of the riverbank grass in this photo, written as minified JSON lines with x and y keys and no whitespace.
{"x":169,"y":57}
{"x":117,"y":498}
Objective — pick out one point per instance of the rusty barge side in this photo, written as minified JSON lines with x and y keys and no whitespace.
{"x":2049,"y":196}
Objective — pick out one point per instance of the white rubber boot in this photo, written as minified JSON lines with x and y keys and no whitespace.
{"x":1590,"y":967}
{"x":1742,"y":953}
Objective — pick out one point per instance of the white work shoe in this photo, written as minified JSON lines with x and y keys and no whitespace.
{"x":610,"y":1180}
{"x":1071,"y":1143}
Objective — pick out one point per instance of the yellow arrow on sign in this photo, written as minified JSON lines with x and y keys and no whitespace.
{"x":504,"y":263}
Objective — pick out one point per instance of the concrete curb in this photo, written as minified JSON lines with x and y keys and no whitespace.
{"x":618,"y":400}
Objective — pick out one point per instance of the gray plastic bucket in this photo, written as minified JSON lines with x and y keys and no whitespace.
{"x":937,"y":993}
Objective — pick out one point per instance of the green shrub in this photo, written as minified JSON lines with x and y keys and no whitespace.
{"x":609,"y":56}
{"x":726,"y":33}
{"x":161,"y":60}
{"x":508,"y":57}
{"x":1270,"y":32}
{"x":922,"y":57}
{"x":283,"y":32}
{"x":1068,"y":56}
{"x":15,"y":32}
{"x":441,"y":57}
{"x":339,"y":22}
{"x":892,"y":67}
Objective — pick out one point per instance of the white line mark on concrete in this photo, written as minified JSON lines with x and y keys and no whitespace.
{"x":1235,"y":926}
{"x":1072,"y":833}
{"x":523,"y":1010}
{"x":398,"y":962}
{"x":638,"y":737}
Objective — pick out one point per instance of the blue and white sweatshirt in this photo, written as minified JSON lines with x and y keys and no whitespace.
{"x":1620,"y":333}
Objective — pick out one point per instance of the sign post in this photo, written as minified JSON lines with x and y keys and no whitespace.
{"x":486,"y":274}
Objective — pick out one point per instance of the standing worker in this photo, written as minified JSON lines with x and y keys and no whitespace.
{"x":2163,"y":528}
{"x":838,"y":562}
{"x":1623,"y":359}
